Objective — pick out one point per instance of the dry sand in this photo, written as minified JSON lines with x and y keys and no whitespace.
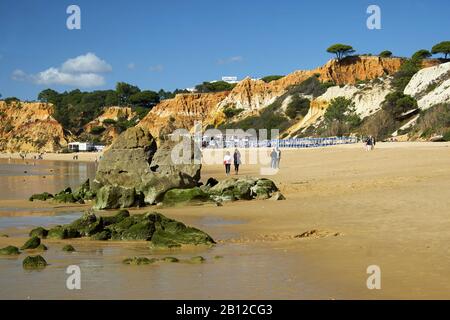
{"x":388,"y":207}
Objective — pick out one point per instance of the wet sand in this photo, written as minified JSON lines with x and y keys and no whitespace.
{"x":388,"y":208}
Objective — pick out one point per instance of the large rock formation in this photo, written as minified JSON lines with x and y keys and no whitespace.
{"x":29,"y":127}
{"x":134,"y":171}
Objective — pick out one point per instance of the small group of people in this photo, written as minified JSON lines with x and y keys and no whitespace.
{"x":370,"y":143}
{"x":236,"y":161}
{"x":275,"y":155}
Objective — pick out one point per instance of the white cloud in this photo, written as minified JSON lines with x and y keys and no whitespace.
{"x":131,"y":66}
{"x":82,"y":71}
{"x":55,"y":76}
{"x":157,"y":68}
{"x":88,"y":63}
{"x":230,"y":60}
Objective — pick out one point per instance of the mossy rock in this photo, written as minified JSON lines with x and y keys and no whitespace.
{"x":34,"y":262}
{"x":264,"y":188}
{"x":122,"y":214}
{"x":62,"y":232}
{"x":170,"y":259}
{"x":183,"y":196}
{"x":197,"y":259}
{"x":175,"y":234}
{"x":39,"y":232}
{"x":83,"y":192}
{"x":31,"y":243}
{"x":65,"y":197}
{"x":9,"y":251}
{"x":68,"y":248}
{"x":4,"y":235}
{"x":87,"y":225}
{"x":57,"y":232}
{"x":139,"y":261}
{"x":114,"y":197}
{"x":41,"y":247}
{"x":151,"y":226}
{"x":218,"y":257}
{"x":102,"y":236}
{"x":41,"y":196}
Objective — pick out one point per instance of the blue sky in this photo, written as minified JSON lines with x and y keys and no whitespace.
{"x":179,"y":43}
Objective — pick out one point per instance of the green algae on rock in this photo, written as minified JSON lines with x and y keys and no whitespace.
{"x":197,"y":259}
{"x":31,"y":243}
{"x":185,"y":196}
{"x":9,"y":251}
{"x":34,"y":262}
{"x":170,"y":259}
{"x":68,"y":248}
{"x":39,"y":232}
{"x":41,"y":247}
{"x":151,"y":226}
{"x":41,"y":196}
{"x":139,"y":261}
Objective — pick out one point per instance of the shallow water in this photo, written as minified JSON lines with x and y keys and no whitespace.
{"x":21,"y":178}
{"x":244,"y":271}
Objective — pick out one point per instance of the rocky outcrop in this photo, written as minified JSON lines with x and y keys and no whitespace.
{"x":154,"y":227}
{"x":29,"y":127}
{"x":135,"y":171}
{"x":246,"y":188}
{"x":430,"y":86}
{"x":34,"y":262}
{"x":181,"y":112}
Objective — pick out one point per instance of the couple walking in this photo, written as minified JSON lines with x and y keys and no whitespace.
{"x":275,"y":155}
{"x":370,"y":143}
{"x":236,"y":160}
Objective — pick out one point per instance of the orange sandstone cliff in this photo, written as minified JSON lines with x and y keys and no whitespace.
{"x":182,"y":112}
{"x":29,"y":127}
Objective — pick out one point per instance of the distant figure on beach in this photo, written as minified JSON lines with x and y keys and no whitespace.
{"x":370,"y":143}
{"x":237,"y":160}
{"x":275,"y":155}
{"x":227,"y":162}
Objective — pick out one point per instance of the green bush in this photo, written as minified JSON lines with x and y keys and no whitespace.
{"x":385,"y":54}
{"x":231,"y":112}
{"x":340,"y":117}
{"x":271,"y":78}
{"x":109,"y":121}
{"x":217,"y":86}
{"x":397,"y":103}
{"x":97,"y":130}
{"x":298,"y":106}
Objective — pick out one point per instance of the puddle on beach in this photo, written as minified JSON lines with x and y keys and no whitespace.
{"x":39,"y":221}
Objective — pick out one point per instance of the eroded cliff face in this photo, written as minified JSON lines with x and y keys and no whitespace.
{"x":430,"y":86}
{"x":182,"y":112}
{"x":252,"y":95}
{"x":29,"y":127}
{"x":114,"y":113}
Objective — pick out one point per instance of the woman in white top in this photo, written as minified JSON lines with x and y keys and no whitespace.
{"x":227,"y":162}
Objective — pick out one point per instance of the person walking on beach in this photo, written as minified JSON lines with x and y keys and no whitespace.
{"x":369,"y":142}
{"x":237,"y":160}
{"x":227,"y":162}
{"x":374,"y":142}
{"x":273,"y":156}
{"x":278,"y":151}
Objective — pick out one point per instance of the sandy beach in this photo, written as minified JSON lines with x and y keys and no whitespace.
{"x":388,"y":207}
